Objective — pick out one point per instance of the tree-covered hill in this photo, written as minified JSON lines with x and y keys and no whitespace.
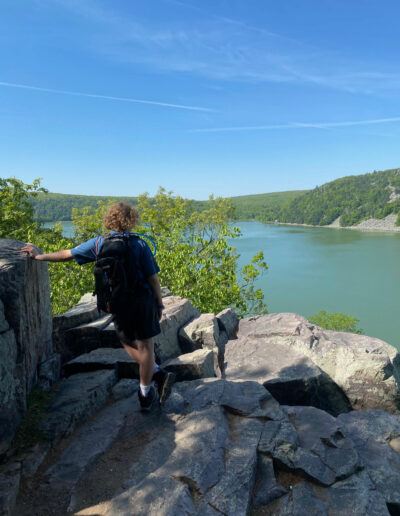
{"x":352,"y":198}
{"x":51,"y":207}
{"x":266,"y":206}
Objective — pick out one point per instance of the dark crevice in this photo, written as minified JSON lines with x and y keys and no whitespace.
{"x":193,"y":488}
{"x":218,"y":510}
{"x":393,"y":508}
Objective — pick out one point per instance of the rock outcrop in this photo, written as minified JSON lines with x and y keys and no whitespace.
{"x":365,"y":369}
{"x":25,"y":333}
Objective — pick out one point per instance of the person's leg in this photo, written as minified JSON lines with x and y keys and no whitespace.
{"x":142,"y":351}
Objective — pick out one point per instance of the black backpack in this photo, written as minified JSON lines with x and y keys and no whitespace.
{"x":115,"y":272}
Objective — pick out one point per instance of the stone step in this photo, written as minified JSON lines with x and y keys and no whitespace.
{"x":104,"y":358}
{"x":79,"y":397}
{"x":90,"y":336}
{"x":84,"y":312}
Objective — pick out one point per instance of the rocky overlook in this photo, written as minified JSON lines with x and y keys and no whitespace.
{"x":269,"y":415}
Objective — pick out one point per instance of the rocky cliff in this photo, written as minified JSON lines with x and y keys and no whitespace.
{"x":271,"y":415}
{"x":26,"y":350}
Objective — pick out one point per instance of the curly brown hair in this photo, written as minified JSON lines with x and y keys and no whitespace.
{"x":121,"y":217}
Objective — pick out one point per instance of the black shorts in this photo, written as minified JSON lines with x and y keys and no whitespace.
{"x":140,"y":318}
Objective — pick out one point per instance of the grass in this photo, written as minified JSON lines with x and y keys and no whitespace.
{"x":28,"y":433}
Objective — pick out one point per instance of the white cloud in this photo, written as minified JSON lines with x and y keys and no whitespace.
{"x":104,"y":97}
{"x":297,"y":125}
{"x":220,"y":48}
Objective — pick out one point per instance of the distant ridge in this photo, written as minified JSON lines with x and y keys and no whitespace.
{"x":349,"y":200}
{"x":53,"y":207}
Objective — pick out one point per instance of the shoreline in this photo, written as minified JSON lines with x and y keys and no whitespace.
{"x":386,"y":225}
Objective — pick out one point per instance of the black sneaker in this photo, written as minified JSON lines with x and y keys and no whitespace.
{"x":146,"y":402}
{"x":164,"y":380}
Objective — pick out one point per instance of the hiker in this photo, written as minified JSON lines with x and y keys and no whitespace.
{"x":137,"y":315}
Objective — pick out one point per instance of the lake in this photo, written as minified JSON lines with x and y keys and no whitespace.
{"x":336,"y":270}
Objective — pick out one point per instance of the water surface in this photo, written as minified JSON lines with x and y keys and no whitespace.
{"x":336,"y":270}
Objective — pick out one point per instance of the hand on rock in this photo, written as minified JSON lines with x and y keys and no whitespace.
{"x":30,"y":250}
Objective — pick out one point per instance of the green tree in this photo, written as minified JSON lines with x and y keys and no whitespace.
{"x":194,"y":254}
{"x":16,"y":213}
{"x":336,"y":322}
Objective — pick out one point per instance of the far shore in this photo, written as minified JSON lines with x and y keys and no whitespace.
{"x":386,"y":225}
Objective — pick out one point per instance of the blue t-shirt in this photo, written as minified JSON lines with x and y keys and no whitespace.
{"x":145,"y":262}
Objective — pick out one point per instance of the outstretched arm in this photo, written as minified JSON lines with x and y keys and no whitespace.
{"x":58,"y":256}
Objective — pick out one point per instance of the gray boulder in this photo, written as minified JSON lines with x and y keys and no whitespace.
{"x":177,"y":313}
{"x":192,"y":366}
{"x":228,"y":321}
{"x":202,"y":332}
{"x":290,"y":376}
{"x":367,"y":370}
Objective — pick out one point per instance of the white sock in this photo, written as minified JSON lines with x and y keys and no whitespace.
{"x":144,"y":389}
{"x":156,"y":368}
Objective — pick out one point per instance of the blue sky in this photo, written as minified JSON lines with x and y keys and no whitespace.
{"x":231,"y":97}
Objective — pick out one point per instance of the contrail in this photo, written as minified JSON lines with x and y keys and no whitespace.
{"x":297,"y":125}
{"x":106,"y":97}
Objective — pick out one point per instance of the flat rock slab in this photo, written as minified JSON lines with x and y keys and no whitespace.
{"x":291,"y":377}
{"x":104,"y":358}
{"x":192,"y":366}
{"x":80,"y":396}
{"x":366,"y":369}
{"x":90,"y":443}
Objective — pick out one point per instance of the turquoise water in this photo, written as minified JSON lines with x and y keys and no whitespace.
{"x":336,"y":270}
